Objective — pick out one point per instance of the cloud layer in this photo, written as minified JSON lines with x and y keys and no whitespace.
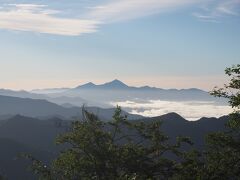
{"x":191,"y":110}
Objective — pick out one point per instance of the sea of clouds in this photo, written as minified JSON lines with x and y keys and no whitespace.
{"x":190,"y":110}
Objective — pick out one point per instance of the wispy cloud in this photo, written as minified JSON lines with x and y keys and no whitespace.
{"x":38,"y":18}
{"x":219,"y":9}
{"x":42,"y":19}
{"x":117,"y":10}
{"x":230,"y":7}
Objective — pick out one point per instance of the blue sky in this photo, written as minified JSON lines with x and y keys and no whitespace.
{"x":163,"y":43}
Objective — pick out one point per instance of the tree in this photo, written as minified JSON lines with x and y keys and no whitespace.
{"x":223,"y":148}
{"x":118,"y":149}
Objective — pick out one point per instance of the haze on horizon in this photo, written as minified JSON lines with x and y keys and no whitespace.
{"x":165,"y":44}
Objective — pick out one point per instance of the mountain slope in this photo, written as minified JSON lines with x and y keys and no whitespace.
{"x":174,"y":125}
{"x":33,"y":132}
{"x":42,"y":108}
{"x":32,"y":107}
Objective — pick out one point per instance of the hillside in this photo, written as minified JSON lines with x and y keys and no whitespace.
{"x":174,"y":125}
{"x":44,"y":109}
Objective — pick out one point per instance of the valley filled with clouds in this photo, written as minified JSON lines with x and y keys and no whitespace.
{"x":190,"y":110}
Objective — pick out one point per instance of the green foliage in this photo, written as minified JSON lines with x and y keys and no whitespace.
{"x":231,"y":91}
{"x":104,"y":151}
{"x":118,"y":149}
{"x":223,"y":148}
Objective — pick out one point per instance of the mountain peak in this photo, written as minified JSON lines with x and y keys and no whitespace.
{"x":172,"y":116}
{"x":115,"y":84}
{"x":116,"y":81}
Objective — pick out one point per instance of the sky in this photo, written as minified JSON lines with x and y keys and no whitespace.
{"x":161,"y":43}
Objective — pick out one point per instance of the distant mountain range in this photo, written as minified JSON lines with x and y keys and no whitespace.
{"x":109,"y":94}
{"x":115,"y":85}
{"x":119,"y":85}
{"x":117,"y":91}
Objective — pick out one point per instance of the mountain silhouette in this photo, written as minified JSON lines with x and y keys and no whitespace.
{"x":174,"y":125}
{"x":115,"y":84}
{"x":103,"y":95}
{"x":118,"y":85}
